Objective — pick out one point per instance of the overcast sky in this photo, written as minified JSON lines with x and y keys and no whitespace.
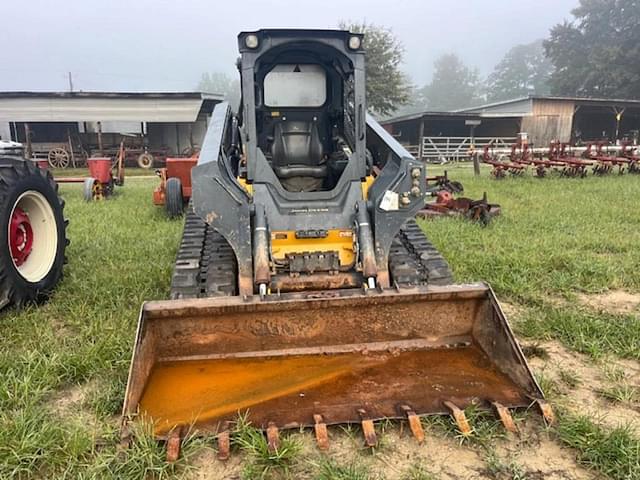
{"x":154,"y":45}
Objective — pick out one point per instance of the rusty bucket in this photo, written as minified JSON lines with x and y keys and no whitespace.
{"x":290,"y":360}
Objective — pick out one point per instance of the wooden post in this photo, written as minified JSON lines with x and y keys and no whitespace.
{"x":100,"y":138}
{"x":420,"y":136}
{"x":73,"y":157}
{"x":27,"y":134}
{"x":476,"y":161}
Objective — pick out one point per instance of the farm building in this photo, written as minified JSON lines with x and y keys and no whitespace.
{"x":435,"y":135}
{"x":68,"y":127}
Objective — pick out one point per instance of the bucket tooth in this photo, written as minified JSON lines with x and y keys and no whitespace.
{"x":370,"y":438}
{"x":273,"y":437}
{"x":505,"y":417}
{"x":459,"y":417}
{"x":224,"y":445}
{"x":125,"y":437}
{"x":322,"y":435}
{"x":173,"y":445}
{"x":414,"y":423}
{"x":546,"y":411}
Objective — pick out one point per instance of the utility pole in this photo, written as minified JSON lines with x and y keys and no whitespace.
{"x":70,"y":82}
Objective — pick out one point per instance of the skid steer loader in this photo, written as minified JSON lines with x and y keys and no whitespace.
{"x":304,"y":293}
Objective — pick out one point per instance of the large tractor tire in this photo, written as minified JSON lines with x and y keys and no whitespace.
{"x":32,"y":233}
{"x":173,"y":201}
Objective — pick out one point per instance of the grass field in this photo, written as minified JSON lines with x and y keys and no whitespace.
{"x":84,"y":172}
{"x":564,"y":258}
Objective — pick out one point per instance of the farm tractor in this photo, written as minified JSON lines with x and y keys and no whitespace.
{"x":304,"y":293}
{"x":174,"y":191}
{"x":32,"y":231}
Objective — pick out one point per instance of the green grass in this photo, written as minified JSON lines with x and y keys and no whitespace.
{"x":263,"y":463}
{"x":614,"y":453}
{"x":84,"y":172}
{"x":556,"y":238}
{"x":330,"y":469}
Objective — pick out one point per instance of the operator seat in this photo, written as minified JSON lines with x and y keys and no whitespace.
{"x":297,"y":156}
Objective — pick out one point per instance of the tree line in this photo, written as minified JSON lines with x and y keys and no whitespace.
{"x":596,"y":54}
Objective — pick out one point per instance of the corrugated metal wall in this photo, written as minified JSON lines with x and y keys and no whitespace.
{"x":99,"y":109}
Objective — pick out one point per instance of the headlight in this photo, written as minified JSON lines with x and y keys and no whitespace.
{"x":354,"y":43}
{"x":251,"y":41}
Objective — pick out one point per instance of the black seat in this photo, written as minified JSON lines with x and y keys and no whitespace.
{"x":297,"y":150}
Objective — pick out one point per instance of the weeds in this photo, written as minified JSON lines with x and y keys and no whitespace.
{"x":595,"y":334}
{"x":570,"y":379}
{"x":504,"y":470}
{"x":615,"y":453}
{"x":329,"y":469}
{"x":262,"y":462}
{"x":613,"y":372}
{"x":621,"y":393}
{"x":418,"y":472}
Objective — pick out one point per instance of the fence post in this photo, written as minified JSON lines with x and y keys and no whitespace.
{"x":476,"y":164}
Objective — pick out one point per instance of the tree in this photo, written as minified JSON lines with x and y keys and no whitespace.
{"x":597,"y":53}
{"x":453,"y":86}
{"x":221,"y":84}
{"x":524,"y":70}
{"x":387,"y":86}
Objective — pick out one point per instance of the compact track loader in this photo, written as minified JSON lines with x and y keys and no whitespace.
{"x":304,"y":293}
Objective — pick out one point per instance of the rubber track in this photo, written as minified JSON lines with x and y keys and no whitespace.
{"x":206,"y":266}
{"x":413,"y":260}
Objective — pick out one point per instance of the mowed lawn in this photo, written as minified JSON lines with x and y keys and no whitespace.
{"x":63,"y":366}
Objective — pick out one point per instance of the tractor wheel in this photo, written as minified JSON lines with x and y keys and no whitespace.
{"x":173,"y":201}
{"x":32,"y":233}
{"x":145,"y":160}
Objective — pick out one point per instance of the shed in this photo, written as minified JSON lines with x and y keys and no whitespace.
{"x":83,"y":123}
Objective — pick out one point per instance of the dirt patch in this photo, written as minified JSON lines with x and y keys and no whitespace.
{"x":511,"y":310}
{"x":580,"y":381}
{"x":616,"y":301}
{"x":533,"y":453}
{"x":206,"y":466}
{"x":68,"y":405}
{"x":69,"y":400}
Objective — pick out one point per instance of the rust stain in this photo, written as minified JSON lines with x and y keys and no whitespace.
{"x":211,"y":217}
{"x":288,"y":390}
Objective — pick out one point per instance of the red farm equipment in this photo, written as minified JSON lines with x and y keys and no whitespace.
{"x":104,"y":175}
{"x":629,"y":152}
{"x":606,"y":162}
{"x":572,"y":166}
{"x":522,"y":154}
{"x":501,"y":168}
{"x":447,"y":204}
{"x":174,"y":191}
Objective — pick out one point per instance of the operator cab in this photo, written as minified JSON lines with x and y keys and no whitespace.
{"x":304,"y":107}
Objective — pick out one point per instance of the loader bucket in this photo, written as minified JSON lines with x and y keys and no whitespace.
{"x":343,"y":355}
